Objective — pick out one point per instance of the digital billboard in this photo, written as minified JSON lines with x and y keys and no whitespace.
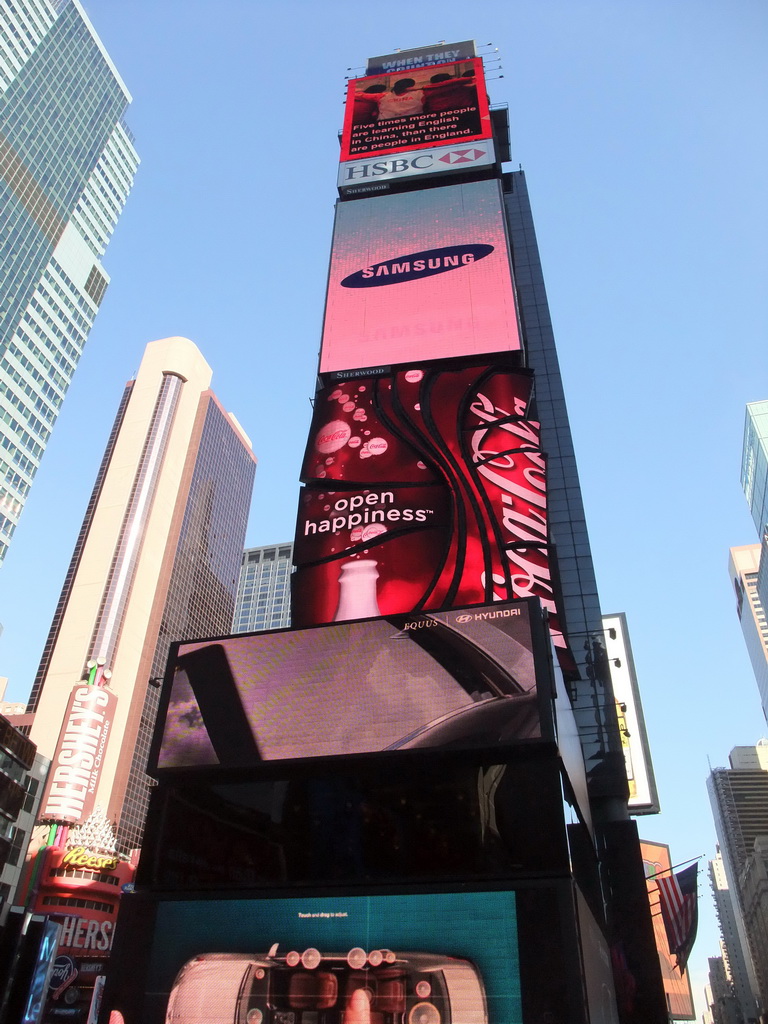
{"x":426,"y":819}
{"x":450,"y":679}
{"x":643,"y":794}
{"x":416,"y":108}
{"x":419,"y":275}
{"x":395,"y":959}
{"x":405,"y":60}
{"x":425,"y":489}
{"x":377,"y":174}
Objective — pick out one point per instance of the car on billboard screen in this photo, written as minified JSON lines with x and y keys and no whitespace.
{"x":357,"y":987}
{"x":447,"y":680}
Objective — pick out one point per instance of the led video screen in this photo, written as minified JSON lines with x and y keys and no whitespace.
{"x":414,"y":108}
{"x":447,"y":958}
{"x":425,"y":490}
{"x":443,"y":680}
{"x":419,"y":276}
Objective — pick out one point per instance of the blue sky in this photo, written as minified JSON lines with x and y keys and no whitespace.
{"x":640,"y":126}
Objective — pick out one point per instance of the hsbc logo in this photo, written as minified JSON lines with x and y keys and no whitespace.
{"x":462,"y":156}
{"x":420,"y":162}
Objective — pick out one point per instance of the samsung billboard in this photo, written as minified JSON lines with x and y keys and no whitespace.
{"x":418,"y":276}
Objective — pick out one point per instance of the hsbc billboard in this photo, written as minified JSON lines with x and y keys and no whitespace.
{"x":358,"y":177}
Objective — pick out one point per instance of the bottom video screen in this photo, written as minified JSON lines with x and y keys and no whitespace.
{"x":449,"y":958}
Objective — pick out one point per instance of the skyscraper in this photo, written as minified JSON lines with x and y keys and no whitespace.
{"x":754,"y":463}
{"x":67,"y":162}
{"x":739,"y":799}
{"x":410,"y":743}
{"x":744,"y":567}
{"x":264,"y":589}
{"x":734,"y":956}
{"x":156,"y":559}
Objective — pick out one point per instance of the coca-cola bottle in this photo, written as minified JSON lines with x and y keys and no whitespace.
{"x":357,"y":590}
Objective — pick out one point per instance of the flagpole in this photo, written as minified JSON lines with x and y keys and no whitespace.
{"x":674,"y":867}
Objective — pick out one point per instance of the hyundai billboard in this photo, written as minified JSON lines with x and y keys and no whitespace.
{"x":437,"y":958}
{"x":418,"y":276}
{"x":414,"y":109}
{"x":459,"y":679}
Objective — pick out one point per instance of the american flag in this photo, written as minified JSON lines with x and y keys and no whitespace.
{"x":678,"y":896}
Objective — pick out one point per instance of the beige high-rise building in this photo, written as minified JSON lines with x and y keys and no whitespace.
{"x":157,"y":560}
{"x":744,"y":566}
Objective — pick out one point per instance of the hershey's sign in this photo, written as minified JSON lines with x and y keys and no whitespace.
{"x":71,"y":791}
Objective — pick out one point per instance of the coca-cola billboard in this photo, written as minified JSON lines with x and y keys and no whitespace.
{"x":419,"y":275}
{"x":425,"y":489}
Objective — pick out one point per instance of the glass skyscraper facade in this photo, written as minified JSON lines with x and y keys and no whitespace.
{"x":754,"y":480}
{"x":67,"y":163}
{"x":754,"y":463}
{"x":264,"y":590}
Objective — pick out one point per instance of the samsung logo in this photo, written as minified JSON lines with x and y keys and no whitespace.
{"x":416,"y":265}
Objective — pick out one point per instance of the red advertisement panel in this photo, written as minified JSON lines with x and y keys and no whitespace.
{"x":415,"y":108}
{"x":426,"y":489}
{"x":84,"y":888}
{"x":419,"y":275}
{"x":74,"y":774}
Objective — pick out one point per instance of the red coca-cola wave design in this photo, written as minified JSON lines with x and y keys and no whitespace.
{"x":436,"y":475}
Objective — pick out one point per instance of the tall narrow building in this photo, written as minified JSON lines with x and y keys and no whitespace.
{"x":67,"y":162}
{"x":739,"y":799}
{"x":744,"y":567}
{"x":157,"y":559}
{"x":264,"y":589}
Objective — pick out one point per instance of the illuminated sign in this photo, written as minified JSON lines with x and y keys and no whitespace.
{"x":426,"y":489}
{"x":82,"y":887}
{"x":388,"y":684}
{"x":403,"y":60}
{"x":376,"y":174}
{"x":443,"y":255}
{"x":78,"y":856}
{"x":417,"y":958}
{"x":643,"y":795}
{"x":416,"y":108}
{"x":74,"y":774}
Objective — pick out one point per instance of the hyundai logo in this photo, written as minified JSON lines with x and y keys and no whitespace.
{"x":416,"y":265}
{"x":464,"y":618}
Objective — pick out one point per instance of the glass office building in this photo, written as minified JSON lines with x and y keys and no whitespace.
{"x":67,"y":163}
{"x":754,"y":480}
{"x":264,"y":590}
{"x":754,"y":463}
